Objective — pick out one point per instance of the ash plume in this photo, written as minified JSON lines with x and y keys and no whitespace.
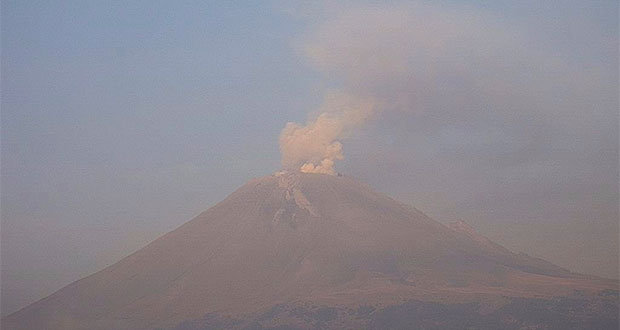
{"x":387,"y":59}
{"x":315,"y":146}
{"x":444,"y":72}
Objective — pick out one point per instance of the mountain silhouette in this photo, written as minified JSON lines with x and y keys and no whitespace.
{"x":314,"y":251}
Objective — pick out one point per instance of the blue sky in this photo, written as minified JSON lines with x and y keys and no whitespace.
{"x":122,"y":120}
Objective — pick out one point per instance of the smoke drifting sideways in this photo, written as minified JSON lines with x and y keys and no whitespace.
{"x":448,"y":70}
{"x":315,"y":146}
{"x":384,"y":58}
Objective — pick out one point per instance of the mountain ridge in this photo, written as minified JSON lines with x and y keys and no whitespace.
{"x":292,"y":239}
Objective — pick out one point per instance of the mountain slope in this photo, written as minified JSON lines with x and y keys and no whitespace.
{"x":294,"y":239}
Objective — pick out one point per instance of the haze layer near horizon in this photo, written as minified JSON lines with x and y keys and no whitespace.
{"x":120,"y":121}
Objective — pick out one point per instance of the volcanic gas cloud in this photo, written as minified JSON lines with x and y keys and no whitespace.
{"x":314,"y":147}
{"x":453,"y":68}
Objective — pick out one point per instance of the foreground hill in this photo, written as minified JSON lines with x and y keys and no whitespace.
{"x":314,"y":251}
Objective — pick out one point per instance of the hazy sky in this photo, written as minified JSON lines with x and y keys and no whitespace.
{"x":122,"y":120}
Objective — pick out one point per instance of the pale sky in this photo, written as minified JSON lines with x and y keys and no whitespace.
{"x":122,"y":120}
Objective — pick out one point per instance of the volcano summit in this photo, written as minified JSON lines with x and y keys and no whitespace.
{"x":315,"y":251}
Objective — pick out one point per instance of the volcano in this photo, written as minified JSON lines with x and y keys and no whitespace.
{"x":315,"y":251}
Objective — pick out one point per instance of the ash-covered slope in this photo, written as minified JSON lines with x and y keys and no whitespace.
{"x":293,"y":240}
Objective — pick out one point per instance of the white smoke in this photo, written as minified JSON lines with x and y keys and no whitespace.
{"x":388,"y":55}
{"x":447,"y":65}
{"x":315,"y":146}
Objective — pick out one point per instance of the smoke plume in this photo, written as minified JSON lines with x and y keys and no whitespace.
{"x":315,"y":146}
{"x":459,"y":80}
{"x":395,"y":59}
